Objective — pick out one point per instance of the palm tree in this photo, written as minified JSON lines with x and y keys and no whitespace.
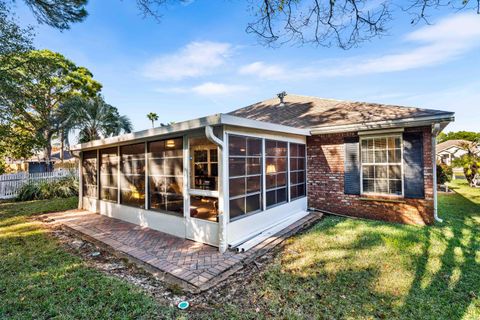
{"x":152,"y":116}
{"x":94,"y":119}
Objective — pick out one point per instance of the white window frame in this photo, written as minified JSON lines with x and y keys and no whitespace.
{"x":264,"y":137}
{"x":261,"y":192}
{"x":368,"y":137}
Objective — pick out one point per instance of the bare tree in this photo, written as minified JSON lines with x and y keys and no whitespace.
{"x":342,"y":23}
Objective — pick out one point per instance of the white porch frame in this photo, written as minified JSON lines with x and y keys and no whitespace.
{"x":218,"y":233}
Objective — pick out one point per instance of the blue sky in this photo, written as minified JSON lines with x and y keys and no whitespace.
{"x":199,"y":61}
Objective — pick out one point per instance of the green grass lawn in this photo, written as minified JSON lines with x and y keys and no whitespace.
{"x":39,"y":280}
{"x":340,"y":269}
{"x":358,"y":269}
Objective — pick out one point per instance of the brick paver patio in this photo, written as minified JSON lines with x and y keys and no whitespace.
{"x":195,"y":266}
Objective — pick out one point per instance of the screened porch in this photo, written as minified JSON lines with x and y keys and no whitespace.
{"x":220,"y":186}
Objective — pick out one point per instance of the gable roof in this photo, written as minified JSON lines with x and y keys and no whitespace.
{"x":312,"y":112}
{"x":451,"y":143}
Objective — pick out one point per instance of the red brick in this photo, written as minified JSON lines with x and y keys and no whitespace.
{"x":325,"y":183}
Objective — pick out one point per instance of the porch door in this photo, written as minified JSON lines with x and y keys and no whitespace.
{"x":202,"y":212}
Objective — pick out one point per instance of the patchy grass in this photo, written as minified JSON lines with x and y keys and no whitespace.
{"x":39,"y":280}
{"x":340,"y":269}
{"x":359,"y":269}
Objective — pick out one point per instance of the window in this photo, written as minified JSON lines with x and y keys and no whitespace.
{"x":382,"y":165}
{"x":297,"y":170}
{"x":109,"y":174}
{"x":89,"y":174}
{"x":204,"y":162}
{"x":165,"y":167}
{"x":132,"y":182}
{"x":276,"y":172}
{"x":245,"y":175}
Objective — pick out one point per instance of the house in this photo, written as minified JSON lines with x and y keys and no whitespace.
{"x":449,"y":150}
{"x":226,"y":179}
{"x":38,"y":164}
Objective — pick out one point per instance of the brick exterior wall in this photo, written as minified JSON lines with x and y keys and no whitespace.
{"x":325,"y":163}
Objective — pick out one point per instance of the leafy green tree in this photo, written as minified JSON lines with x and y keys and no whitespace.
{"x":94,"y":119}
{"x":470,"y":162}
{"x":13,"y":38}
{"x":459,"y":135}
{"x":59,"y":14}
{"x":16,"y":143}
{"x":33,"y":86}
{"x":152,"y":116}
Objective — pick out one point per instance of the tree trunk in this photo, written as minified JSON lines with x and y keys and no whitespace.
{"x":62,"y":145}
{"x":47,"y":150}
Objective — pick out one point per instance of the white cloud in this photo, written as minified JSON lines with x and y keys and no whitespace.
{"x":262,"y":70}
{"x":194,"y":60}
{"x":205,"y":89}
{"x":439,"y":43}
{"x":172,"y":90}
{"x":212,"y":88}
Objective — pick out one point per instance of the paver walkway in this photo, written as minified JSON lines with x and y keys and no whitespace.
{"x":195,"y":266}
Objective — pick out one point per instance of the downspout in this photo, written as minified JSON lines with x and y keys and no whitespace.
{"x":222,"y":222}
{"x":435,"y":132}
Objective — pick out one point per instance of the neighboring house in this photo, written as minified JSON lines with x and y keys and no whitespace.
{"x":227,"y":178}
{"x":38,"y":163}
{"x":449,"y":150}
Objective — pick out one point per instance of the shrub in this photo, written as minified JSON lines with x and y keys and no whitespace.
{"x":444,"y":173}
{"x":49,"y":189}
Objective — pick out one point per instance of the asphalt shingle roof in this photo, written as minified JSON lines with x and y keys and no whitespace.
{"x":311,"y":112}
{"x":451,"y":143}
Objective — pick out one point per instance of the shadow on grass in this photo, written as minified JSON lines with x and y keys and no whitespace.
{"x":452,"y":289}
{"x":345,"y":268}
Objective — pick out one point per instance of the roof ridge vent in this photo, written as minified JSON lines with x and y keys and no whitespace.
{"x":281,"y":96}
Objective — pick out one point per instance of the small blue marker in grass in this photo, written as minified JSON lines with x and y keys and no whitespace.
{"x":182,"y":305}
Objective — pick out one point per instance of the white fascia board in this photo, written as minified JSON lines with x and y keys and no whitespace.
{"x":378,"y":125}
{"x":213,"y":120}
{"x":145,"y":134}
{"x":227,"y":119}
{"x":380,"y":132}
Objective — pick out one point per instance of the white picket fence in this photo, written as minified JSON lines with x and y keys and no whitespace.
{"x":10,"y":184}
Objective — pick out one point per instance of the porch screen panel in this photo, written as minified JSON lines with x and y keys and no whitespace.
{"x":276,"y":172}
{"x":245,"y":175}
{"x":89,"y":174}
{"x":109,"y":174}
{"x":297,"y":171}
{"x":132,"y":175}
{"x":165,"y":161}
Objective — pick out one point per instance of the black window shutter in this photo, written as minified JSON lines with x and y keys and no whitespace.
{"x":352,"y":166}
{"x":413,"y":165}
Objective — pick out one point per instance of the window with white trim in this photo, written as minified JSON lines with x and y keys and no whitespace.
{"x":109,"y":174}
{"x":276,"y":172}
{"x":297,"y":171}
{"x":381,"y":160}
{"x":89,"y":173}
{"x":245,"y":175}
{"x":165,"y":176}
